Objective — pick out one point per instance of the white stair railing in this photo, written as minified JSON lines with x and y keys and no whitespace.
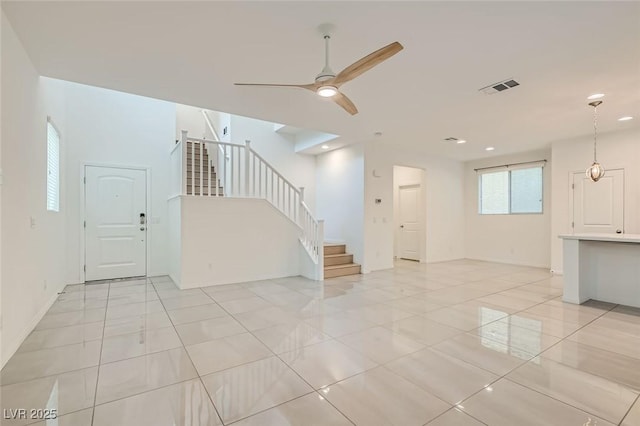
{"x":242,"y":172}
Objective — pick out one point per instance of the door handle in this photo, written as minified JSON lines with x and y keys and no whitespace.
{"x":618,"y":231}
{"x":142,"y":228}
{"x":401,"y":226}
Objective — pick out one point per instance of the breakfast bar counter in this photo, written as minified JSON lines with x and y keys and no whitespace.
{"x":604,"y":267}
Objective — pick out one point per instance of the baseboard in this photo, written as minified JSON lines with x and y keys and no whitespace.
{"x":175,"y":280}
{"x":331,"y":241}
{"x":13,"y":347}
{"x":510,"y":262}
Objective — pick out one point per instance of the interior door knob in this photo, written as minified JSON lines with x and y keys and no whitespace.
{"x":401,"y":226}
{"x":618,"y":231}
{"x":142,"y":228}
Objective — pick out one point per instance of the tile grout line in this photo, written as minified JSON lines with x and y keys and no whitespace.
{"x":95,"y":394}
{"x":504,"y":376}
{"x":184,"y":347}
{"x":637,"y":401}
{"x":281,"y":360}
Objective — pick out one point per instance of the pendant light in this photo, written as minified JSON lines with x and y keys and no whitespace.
{"x":596,"y":171}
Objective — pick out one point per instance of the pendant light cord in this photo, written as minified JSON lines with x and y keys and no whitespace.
{"x":595,"y":132}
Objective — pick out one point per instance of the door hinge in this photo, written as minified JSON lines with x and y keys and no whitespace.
{"x":84,"y":179}
{"x":85,"y":223}
{"x":572,"y":225}
{"x":573,"y":186}
{"x":85,"y":268}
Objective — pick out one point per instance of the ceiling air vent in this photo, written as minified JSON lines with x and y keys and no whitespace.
{"x":500,"y":86}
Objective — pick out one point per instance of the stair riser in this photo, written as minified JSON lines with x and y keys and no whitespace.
{"x":333,"y":273}
{"x":341,"y":260}
{"x":339,"y":249}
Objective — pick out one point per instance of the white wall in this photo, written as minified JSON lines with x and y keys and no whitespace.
{"x":617,"y":150}
{"x":174,"y":218}
{"x":444,"y":205}
{"x":229,"y":240}
{"x":33,"y":255}
{"x":191,"y":119}
{"x":521,"y":239}
{"x":113,"y":128}
{"x":340,"y":197}
{"x":279,"y":151}
{"x":404,"y":176}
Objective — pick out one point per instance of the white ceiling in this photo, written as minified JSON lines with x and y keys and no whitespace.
{"x":192,"y":53}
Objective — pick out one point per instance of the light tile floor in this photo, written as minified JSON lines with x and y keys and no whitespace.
{"x":456,"y":343}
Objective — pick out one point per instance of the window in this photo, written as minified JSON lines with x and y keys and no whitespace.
{"x":516,"y":190}
{"x":53,"y":168}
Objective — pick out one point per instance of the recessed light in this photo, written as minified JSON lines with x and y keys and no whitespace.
{"x":595,"y":96}
{"x":489,"y":148}
{"x":325,"y":146}
{"x":461,"y":141}
{"x":626,"y":118}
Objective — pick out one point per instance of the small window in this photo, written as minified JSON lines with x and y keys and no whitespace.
{"x":517,"y":191}
{"x":53,"y":168}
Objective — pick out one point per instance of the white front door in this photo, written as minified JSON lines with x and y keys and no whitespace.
{"x":598,"y":207}
{"x":409,"y":201}
{"x":116,"y":223}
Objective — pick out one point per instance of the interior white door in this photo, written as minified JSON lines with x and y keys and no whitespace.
{"x":116,"y":223}
{"x":598,"y":207}
{"x":409,"y":201}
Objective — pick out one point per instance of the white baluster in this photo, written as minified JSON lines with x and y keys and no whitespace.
{"x":209,"y":192}
{"x":320,"y":249}
{"x":193,"y":169}
{"x":247,"y":152}
{"x":183,"y":171}
{"x":201,"y":161}
{"x":300,"y":208}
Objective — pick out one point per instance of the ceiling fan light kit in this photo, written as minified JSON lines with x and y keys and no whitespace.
{"x":327,"y":83}
{"x":327,"y":91}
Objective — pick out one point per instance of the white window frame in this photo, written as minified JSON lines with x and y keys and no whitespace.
{"x":53,"y":167}
{"x":509,"y":168}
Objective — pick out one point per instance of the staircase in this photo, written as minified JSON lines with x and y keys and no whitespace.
{"x":196,"y":153}
{"x":337,"y":262}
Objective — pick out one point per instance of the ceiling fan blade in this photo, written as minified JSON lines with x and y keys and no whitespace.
{"x":366,"y":63}
{"x":311,"y":87}
{"x":344,"y":102}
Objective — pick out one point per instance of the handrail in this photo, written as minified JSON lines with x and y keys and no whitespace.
{"x":177,"y":145}
{"x":295,"y":188}
{"x":211,"y":126}
{"x":192,"y":139}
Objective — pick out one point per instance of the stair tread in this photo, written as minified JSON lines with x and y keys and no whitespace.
{"x":346,"y":265}
{"x":334,"y":244}
{"x":338,"y":255}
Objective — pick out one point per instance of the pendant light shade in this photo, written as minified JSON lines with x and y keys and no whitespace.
{"x":596,"y":171}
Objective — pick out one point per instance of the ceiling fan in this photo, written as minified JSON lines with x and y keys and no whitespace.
{"x":327,"y":83}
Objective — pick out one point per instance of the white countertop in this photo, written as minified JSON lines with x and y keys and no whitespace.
{"x":615,"y":238}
